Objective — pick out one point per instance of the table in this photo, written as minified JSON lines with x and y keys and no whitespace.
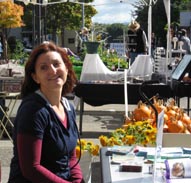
{"x":6,"y":111}
{"x":97,"y":94}
{"x":110,"y":173}
{"x":141,"y":67}
{"x":94,"y":69}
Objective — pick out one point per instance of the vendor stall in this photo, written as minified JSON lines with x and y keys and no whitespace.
{"x":97,"y":94}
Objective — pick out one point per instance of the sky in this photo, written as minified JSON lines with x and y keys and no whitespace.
{"x":113,"y":11}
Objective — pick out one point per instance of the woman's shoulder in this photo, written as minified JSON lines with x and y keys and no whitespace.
{"x":32,"y":102}
{"x":67,"y":103}
{"x":33,"y":99}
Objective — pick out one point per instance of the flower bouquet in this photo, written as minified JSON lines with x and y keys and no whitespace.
{"x":139,"y":133}
{"x":88,"y":150}
{"x":87,"y":146}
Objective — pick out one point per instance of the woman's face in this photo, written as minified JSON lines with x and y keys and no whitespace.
{"x":50,"y":71}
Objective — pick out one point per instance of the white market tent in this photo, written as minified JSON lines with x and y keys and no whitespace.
{"x":167,"y":9}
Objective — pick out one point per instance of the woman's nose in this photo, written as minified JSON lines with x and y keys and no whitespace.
{"x":52,"y":69}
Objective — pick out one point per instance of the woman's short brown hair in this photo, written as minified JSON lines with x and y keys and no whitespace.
{"x":29,"y":85}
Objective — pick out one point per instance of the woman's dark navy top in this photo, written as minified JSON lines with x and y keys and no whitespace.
{"x":36,"y":117}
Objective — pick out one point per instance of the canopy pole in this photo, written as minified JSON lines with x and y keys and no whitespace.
{"x":149,"y":26}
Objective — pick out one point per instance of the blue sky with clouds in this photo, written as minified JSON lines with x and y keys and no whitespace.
{"x":113,"y":11}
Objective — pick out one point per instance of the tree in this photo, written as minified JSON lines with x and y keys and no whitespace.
{"x":115,"y":32}
{"x":159,"y":18}
{"x":61,"y":16}
{"x":10,"y":17}
{"x":68,"y":16}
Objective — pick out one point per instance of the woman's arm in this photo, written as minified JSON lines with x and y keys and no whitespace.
{"x":29,"y":152}
{"x":76,"y":172}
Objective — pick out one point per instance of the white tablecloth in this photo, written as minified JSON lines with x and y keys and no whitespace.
{"x":94,"y":69}
{"x":141,"y":67}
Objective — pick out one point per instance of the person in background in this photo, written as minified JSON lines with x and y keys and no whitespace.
{"x":81,"y":37}
{"x":185,"y":39}
{"x":84,"y":34}
{"x":45,"y":132}
{"x":136,"y":41}
{"x":71,"y":53}
{"x":78,"y":42}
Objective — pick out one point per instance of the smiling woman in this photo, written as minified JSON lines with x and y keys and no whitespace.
{"x":51,"y":72}
{"x":45,"y":130}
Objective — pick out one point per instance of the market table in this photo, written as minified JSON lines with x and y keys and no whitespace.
{"x":110,"y":173}
{"x":110,"y":165}
{"x":97,"y":94}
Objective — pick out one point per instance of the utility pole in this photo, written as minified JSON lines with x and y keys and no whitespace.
{"x":83,"y":24}
{"x":34,"y":26}
{"x":39,"y":32}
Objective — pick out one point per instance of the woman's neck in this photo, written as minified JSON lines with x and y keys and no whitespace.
{"x":53,"y":98}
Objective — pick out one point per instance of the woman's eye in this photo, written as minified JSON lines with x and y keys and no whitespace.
{"x":57,"y":64}
{"x":44,"y":67}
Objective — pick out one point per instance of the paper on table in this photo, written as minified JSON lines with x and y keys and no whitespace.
{"x":166,"y":152}
{"x":127,"y":159}
{"x":178,"y":180}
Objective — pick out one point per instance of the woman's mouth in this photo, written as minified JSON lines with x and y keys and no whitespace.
{"x":54,"y":78}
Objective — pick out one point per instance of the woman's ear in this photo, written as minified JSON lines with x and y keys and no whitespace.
{"x":34,"y":78}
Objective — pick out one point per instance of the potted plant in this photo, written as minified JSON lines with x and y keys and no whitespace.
{"x":92,"y":47}
{"x":92,"y":42}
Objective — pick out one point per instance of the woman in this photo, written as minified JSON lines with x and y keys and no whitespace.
{"x":45,"y":131}
{"x":136,"y":41}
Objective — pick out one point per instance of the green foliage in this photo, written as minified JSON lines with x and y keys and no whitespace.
{"x":75,"y":61}
{"x":112,"y":60}
{"x":18,"y":53}
{"x":109,"y":58}
{"x":159,"y":17}
{"x":115,"y":32}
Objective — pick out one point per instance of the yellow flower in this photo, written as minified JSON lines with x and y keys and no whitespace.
{"x":103,"y":140}
{"x":83,"y":143}
{"x":86,"y":146}
{"x":95,"y":150}
{"x":77,"y":151}
{"x":140,"y":132}
{"x":128,"y":140}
